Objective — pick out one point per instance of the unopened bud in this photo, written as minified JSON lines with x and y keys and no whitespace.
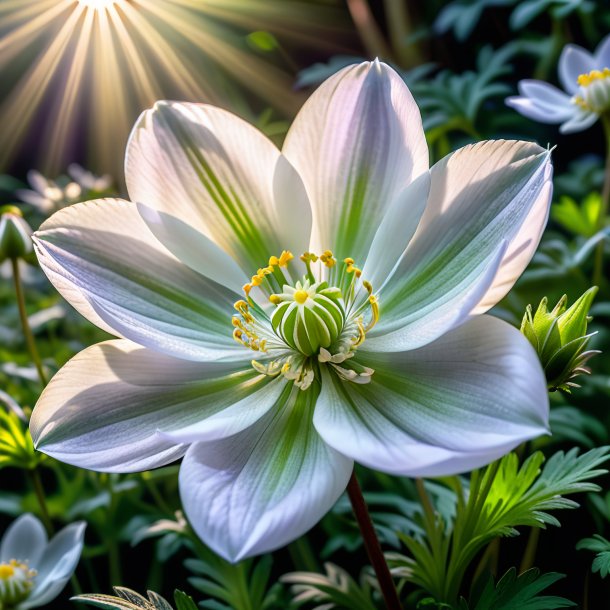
{"x":15,"y":234}
{"x":560,"y":338}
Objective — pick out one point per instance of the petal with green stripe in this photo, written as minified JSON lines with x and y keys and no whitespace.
{"x":102,"y":258}
{"x":115,"y":406}
{"x":266,"y":486}
{"x":357,"y":143}
{"x":455,"y":404}
{"x":220,"y":176}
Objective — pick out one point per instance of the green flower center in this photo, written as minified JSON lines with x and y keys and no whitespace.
{"x":297,"y":325}
{"x":16,"y":582}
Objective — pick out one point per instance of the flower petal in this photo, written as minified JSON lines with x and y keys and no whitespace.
{"x":573,"y":62}
{"x":107,"y":408}
{"x":193,"y":248}
{"x":455,"y":404}
{"x":602,"y":55}
{"x":357,"y":143}
{"x":486,"y":209}
{"x":56,"y":565}
{"x":396,"y":230}
{"x":579,"y":122}
{"x":262,"y":488}
{"x":220,"y":176}
{"x":542,"y":102}
{"x":25,"y":539}
{"x":102,"y":258}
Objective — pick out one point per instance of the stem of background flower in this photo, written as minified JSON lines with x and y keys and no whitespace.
{"x":368,"y":30}
{"x":371,"y":544}
{"x":598,"y":263}
{"x":39,"y":491}
{"x":25,"y":325}
{"x":529,"y":554}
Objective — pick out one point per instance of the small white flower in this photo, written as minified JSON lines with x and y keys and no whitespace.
{"x":34,"y":570}
{"x":585,"y":78}
{"x":47,"y":196}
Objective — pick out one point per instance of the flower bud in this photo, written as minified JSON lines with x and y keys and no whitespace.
{"x":15,"y":234}
{"x":560,"y":338}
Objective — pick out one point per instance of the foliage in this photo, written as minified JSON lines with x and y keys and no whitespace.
{"x":598,"y":544}
{"x":517,"y":592}
{"x":501,"y":498}
{"x":334,"y":589}
{"x":126,"y":599}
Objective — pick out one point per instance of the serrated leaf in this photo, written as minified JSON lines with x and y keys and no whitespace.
{"x":521,"y":592}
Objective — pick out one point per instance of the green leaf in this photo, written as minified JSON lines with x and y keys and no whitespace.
{"x":520,"y":593}
{"x":126,"y":599}
{"x":184,"y":601}
{"x":598,"y":544}
{"x":336,"y":589}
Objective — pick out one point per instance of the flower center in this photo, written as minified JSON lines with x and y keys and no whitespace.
{"x":16,"y":582}
{"x":594,"y":94}
{"x":301,"y":319}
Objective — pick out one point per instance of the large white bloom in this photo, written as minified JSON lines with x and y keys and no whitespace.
{"x":586,"y":80}
{"x":34,"y":570}
{"x":357,"y":335}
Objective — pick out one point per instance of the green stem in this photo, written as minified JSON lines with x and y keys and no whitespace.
{"x":371,"y":544}
{"x":114,"y":557}
{"x":42,"y":503}
{"x":598,"y":262}
{"x":25,"y":325}
{"x":368,"y":30}
{"x":530,"y":550}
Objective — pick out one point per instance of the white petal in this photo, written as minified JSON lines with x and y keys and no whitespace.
{"x":56,"y":565}
{"x":396,"y":230}
{"x":25,"y":539}
{"x":222,"y":177}
{"x":107,"y":408}
{"x":103,"y":259}
{"x":542,"y":102}
{"x":486,"y":209}
{"x":262,"y":488}
{"x":573,"y":62}
{"x":455,"y":404}
{"x":193,"y":248}
{"x":530,"y":109}
{"x":602,"y":55}
{"x":579,"y":122}
{"x":357,"y":143}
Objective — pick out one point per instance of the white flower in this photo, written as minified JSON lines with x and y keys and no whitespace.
{"x":270,"y":370}
{"x":46,"y":195}
{"x":586,"y":80}
{"x":34,"y":570}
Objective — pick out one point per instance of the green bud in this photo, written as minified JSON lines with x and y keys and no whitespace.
{"x":15,"y":234}
{"x":560,"y":338}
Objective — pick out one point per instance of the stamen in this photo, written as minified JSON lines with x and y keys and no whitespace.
{"x":584,"y":80}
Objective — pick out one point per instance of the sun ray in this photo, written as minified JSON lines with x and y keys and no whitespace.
{"x":76,"y":73}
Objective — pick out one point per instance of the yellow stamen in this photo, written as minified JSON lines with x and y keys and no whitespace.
{"x":328,"y":259}
{"x":6,"y":571}
{"x":300,"y":296}
{"x":285,"y":257}
{"x":584,"y":80}
{"x":246,"y":288}
{"x":274,"y":261}
{"x":275,"y":299}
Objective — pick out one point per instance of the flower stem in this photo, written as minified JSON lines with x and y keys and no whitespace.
{"x":25,"y":325}
{"x":39,"y":491}
{"x":598,"y":263}
{"x":371,"y":543}
{"x":530,"y":550}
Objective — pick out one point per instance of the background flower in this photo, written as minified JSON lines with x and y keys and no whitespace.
{"x":33,"y":569}
{"x":585,"y":78}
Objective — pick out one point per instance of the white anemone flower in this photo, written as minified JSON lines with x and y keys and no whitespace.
{"x":586,"y":80}
{"x":282,"y":314}
{"x":34,"y":570}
